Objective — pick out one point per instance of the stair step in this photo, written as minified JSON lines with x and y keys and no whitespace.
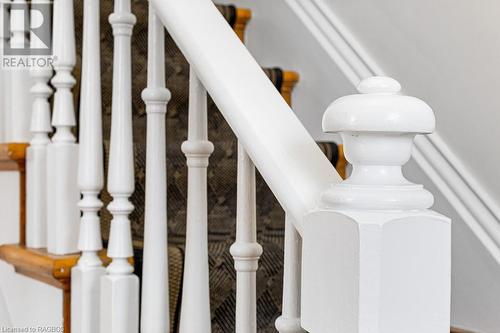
{"x":236,"y":17}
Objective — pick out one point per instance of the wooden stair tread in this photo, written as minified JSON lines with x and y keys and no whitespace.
{"x":12,"y":156}
{"x":40,"y":265}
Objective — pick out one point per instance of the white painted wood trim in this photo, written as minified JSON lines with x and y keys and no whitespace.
{"x":467,"y":196}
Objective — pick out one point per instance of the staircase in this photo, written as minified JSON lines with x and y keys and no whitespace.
{"x":156,"y":114}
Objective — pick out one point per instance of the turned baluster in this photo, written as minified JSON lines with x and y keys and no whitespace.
{"x":246,"y":251}
{"x":120,"y":287}
{"x":20,"y":80}
{"x":63,"y":195}
{"x":86,"y":275}
{"x":36,"y":155}
{"x":195,"y":291}
{"x":289,"y":321}
{"x":155,"y":307}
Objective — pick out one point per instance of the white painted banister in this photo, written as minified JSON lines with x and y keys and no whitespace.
{"x":20,"y":80}
{"x":120,"y":287}
{"x":36,"y":155}
{"x":63,"y":195}
{"x":279,"y":145}
{"x":375,"y":258}
{"x":195,"y":288}
{"x":246,"y":251}
{"x":86,"y":275}
{"x":155,"y":295}
{"x":289,"y":321}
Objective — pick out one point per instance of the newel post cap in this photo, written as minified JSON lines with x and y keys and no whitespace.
{"x":377,"y":127}
{"x":379,"y":107}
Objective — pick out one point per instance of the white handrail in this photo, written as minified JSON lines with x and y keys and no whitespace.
{"x":285,"y":154}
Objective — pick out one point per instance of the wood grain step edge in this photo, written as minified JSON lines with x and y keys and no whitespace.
{"x":38,"y":264}
{"x":283,"y":80}
{"x":236,"y":17}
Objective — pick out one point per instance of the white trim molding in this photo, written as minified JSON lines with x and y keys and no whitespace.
{"x":457,"y":184}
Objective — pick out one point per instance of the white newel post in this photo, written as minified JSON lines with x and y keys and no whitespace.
{"x":20,"y":80}
{"x":154,"y":298}
{"x":120,"y":287}
{"x":289,"y":321}
{"x":375,"y":258}
{"x":86,"y":275}
{"x":63,"y":195}
{"x":36,"y":155}
{"x":195,"y":308}
{"x":246,"y":251}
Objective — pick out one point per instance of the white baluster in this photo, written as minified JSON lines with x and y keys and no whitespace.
{"x":375,"y":258}
{"x":289,"y":321}
{"x":36,"y":155}
{"x":20,"y":80}
{"x":155,"y":307}
{"x":246,"y":251}
{"x":63,"y":195}
{"x":4,"y":74}
{"x":86,"y":275}
{"x":195,"y":310}
{"x":120,"y":287}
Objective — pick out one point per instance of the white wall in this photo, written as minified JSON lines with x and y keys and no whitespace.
{"x":29,"y":303}
{"x":445,"y":52}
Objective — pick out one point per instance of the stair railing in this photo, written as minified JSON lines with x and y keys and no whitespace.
{"x":369,"y":262}
{"x":362,"y":255}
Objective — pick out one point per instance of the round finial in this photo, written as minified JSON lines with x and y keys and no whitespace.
{"x":379,"y":107}
{"x":367,"y":123}
{"x":379,"y":85}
